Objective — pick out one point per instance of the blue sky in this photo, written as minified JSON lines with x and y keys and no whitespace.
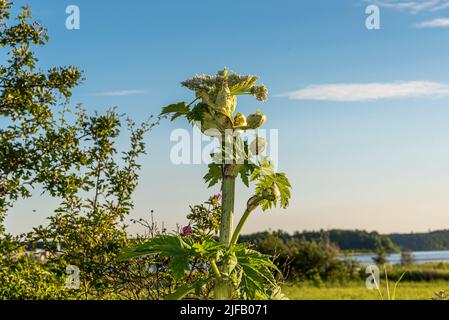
{"x":362,"y":114}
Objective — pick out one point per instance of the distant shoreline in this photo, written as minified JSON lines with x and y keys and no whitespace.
{"x":358,"y":242}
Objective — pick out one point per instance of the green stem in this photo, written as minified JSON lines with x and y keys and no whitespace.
{"x":221,"y":289}
{"x":215,"y":269}
{"x":193,"y":102}
{"x":238,"y":230}
{"x":227,"y":212}
{"x":252,"y":204}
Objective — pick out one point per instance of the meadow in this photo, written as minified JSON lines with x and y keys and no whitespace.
{"x":407,"y":290}
{"x":420,"y":282}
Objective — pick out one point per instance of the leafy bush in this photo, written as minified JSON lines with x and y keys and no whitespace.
{"x":88,"y":225}
{"x":26,"y":279}
{"x":308,"y":260}
{"x":69,"y":155}
{"x":36,"y":146}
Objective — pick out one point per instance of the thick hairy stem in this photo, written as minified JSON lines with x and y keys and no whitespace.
{"x":227,"y":211}
{"x":222,"y":288}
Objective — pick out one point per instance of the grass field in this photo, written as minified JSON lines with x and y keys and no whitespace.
{"x":406,"y":290}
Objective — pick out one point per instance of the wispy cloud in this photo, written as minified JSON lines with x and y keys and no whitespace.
{"x":435,"y":23}
{"x":121,"y":93}
{"x":413,"y":6}
{"x":351,"y":92}
{"x":442,"y":6}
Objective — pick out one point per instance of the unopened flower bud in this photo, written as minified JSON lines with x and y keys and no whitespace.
{"x":271,"y":194}
{"x":261,"y":92}
{"x":239,"y":120}
{"x":256,"y":120}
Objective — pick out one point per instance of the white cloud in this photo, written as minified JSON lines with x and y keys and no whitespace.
{"x":435,"y":23}
{"x":349,"y":92}
{"x":121,"y":93}
{"x":442,"y":6}
{"x":413,"y":6}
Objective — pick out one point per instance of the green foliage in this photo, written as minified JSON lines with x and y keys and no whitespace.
{"x":33,"y":138}
{"x":428,"y":241}
{"x":268,"y":180}
{"x":177,"y":110}
{"x":254,"y":269}
{"x":218,"y":95}
{"x":205,"y":219}
{"x":346,"y":240}
{"x":214,"y":174}
{"x":356,"y":290}
{"x":381,"y":256}
{"x":307,"y":260}
{"x":26,"y":279}
{"x":245,"y":171}
{"x":216,"y":116}
{"x":195,"y":262}
{"x":70,"y":155}
{"x":249,"y":271}
{"x":89,"y":222}
{"x":425,"y":272}
{"x":76,"y":161}
{"x":355,"y":240}
{"x":177,"y":248}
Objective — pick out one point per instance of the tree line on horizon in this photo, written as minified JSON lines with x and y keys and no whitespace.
{"x":364,"y":241}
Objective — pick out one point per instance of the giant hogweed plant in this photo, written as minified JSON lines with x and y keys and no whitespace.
{"x":235,"y":270}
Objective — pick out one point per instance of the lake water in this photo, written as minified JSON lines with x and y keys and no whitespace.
{"x":418,"y":256}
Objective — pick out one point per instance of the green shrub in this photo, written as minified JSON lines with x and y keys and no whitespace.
{"x":308,"y":260}
{"x":27,"y":279}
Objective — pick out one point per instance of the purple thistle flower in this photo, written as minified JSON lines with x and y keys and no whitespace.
{"x":187,"y":231}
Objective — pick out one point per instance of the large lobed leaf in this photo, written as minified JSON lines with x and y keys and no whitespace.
{"x":176,"y":110}
{"x":267,"y":178}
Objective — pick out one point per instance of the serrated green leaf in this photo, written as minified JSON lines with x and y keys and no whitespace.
{"x":265,"y":181}
{"x":167,"y":246}
{"x":214,"y":175}
{"x":180,"y":293}
{"x":197,"y":112}
{"x":178,"y":266}
{"x":246,"y":171}
{"x":177,"y":110}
